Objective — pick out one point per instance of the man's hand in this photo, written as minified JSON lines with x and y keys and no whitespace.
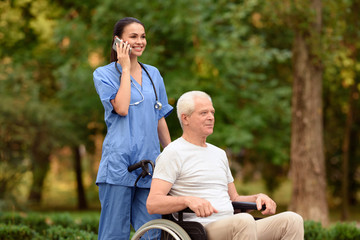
{"x":270,"y":204}
{"x":201,"y":207}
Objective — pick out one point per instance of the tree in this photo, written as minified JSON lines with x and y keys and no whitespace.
{"x":35,"y":62}
{"x":351,"y":38}
{"x":77,"y":55}
{"x":342,"y":94}
{"x":307,"y":148}
{"x":307,"y":167}
{"x":29,"y":109}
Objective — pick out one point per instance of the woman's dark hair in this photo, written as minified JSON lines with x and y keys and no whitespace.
{"x":118,"y":31}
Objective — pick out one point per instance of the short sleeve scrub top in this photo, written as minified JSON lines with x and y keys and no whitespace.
{"x":133,"y":137}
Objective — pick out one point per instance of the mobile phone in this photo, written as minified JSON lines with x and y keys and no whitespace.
{"x":118,"y":41}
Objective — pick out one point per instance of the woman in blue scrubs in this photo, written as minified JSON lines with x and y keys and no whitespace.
{"x":129,"y":92}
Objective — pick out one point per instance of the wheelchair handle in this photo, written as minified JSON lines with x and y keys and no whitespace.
{"x":143,"y":164}
{"x":140,"y":164}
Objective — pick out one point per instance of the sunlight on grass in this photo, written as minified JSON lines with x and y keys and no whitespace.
{"x":59,"y":191}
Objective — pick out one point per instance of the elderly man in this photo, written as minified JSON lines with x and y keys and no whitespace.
{"x":193,"y":173}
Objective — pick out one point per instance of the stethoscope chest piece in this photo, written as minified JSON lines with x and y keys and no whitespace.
{"x":158,"y":105}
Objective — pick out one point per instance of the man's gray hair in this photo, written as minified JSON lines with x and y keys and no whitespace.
{"x":186,"y":103}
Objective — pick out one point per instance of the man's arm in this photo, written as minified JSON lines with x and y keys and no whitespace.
{"x":159,"y":202}
{"x":259,"y":199}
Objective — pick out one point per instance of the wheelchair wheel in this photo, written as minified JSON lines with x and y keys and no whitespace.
{"x":169,"y":231}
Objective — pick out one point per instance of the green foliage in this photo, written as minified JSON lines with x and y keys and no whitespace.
{"x":47,"y":226}
{"x":339,"y":231}
{"x":35,"y":222}
{"x":314,"y":231}
{"x":13,"y":232}
{"x":11,"y":173}
{"x":11,"y":218}
{"x":47,"y":98}
{"x":341,"y":91}
{"x":89,"y":224}
{"x":197,"y":52}
{"x":61,"y":233}
{"x":64,"y":220}
{"x":342,"y":231}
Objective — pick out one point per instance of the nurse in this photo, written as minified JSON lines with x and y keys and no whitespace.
{"x":135,"y":102}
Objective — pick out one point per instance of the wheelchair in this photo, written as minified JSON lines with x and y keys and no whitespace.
{"x":178,"y":229}
{"x":173,"y":229}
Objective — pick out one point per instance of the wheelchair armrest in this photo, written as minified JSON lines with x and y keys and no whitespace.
{"x":238,"y":208}
{"x":246,"y":206}
{"x":180,"y":213}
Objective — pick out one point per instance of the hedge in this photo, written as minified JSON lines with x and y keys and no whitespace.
{"x":36,"y":226}
{"x":12,"y":232}
{"x":339,"y":231}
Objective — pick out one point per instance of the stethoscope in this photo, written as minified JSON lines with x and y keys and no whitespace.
{"x":158,"y":104}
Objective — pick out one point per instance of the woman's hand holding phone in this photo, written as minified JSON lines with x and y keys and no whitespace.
{"x":123,"y":50}
{"x":122,"y":44}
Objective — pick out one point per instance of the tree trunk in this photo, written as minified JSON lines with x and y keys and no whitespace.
{"x":348,"y":137}
{"x":354,"y":158}
{"x":82,"y":203}
{"x":40,"y":154}
{"x":307,"y":150}
{"x":345,"y":162}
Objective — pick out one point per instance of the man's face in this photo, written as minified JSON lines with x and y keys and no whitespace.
{"x":202,"y":120}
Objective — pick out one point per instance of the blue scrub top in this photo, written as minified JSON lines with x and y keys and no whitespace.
{"x":133,"y":137}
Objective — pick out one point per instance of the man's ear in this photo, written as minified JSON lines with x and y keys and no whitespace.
{"x":185,"y":119}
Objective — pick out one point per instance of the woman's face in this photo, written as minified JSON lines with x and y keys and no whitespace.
{"x":134,"y":34}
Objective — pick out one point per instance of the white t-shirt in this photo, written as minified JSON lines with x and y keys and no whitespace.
{"x":197,"y":171}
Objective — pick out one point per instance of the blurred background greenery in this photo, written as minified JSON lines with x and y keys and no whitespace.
{"x":239,"y":51}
